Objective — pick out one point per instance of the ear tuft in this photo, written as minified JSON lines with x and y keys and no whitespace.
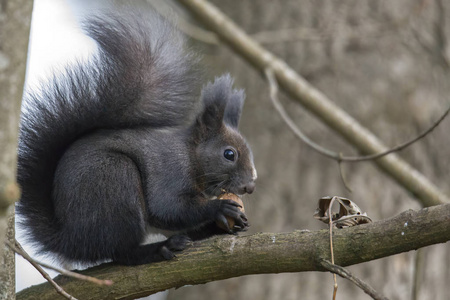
{"x":215,"y":95}
{"x":233,"y":109}
{"x":221,"y":104}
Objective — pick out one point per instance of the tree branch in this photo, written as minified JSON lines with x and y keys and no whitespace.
{"x":232,"y":256}
{"x":18,"y":249}
{"x":339,"y":157}
{"x":314,"y":100}
{"x":15,"y":19}
{"x":358,"y":282}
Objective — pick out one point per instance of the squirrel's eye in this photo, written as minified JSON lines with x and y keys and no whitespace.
{"x":229,"y":154}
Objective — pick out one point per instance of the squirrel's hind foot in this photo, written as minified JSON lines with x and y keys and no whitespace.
{"x":174,"y":244}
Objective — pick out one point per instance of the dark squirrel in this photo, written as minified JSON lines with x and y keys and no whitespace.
{"x":127,"y":144}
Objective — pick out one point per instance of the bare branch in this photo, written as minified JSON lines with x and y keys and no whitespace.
{"x":225,"y":257}
{"x":418,"y":270}
{"x":331,"y":244}
{"x":15,"y":19}
{"x":314,"y":100}
{"x":358,"y":282}
{"x":329,"y":153}
{"x":274,"y":97}
{"x":18,"y":249}
{"x":195,"y":32}
{"x":343,"y":178}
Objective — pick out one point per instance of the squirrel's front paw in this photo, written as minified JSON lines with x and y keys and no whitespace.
{"x":230,"y":216}
{"x":174,"y":243}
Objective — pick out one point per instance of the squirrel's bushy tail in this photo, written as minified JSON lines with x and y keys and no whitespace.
{"x":142,"y":75}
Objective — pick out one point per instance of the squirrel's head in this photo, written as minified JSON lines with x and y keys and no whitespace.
{"x":224,"y":159}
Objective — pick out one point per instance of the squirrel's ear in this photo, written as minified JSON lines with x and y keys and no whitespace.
{"x":214,"y":98}
{"x":233,"y":109}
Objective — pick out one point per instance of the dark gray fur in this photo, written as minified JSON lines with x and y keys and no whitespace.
{"x":125,"y":142}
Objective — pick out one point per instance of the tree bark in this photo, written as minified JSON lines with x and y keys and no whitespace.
{"x":232,"y":256}
{"x":15,"y":19}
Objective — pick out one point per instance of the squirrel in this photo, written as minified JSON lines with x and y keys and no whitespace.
{"x":131,"y":143}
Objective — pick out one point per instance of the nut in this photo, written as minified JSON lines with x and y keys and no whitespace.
{"x":235,"y":198}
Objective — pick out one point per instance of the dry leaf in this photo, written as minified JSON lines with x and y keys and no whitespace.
{"x":349,"y":213}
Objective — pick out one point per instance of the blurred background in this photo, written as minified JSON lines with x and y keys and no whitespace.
{"x":387,"y":63}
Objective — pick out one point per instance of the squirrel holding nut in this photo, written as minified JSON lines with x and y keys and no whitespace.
{"x":130,"y":144}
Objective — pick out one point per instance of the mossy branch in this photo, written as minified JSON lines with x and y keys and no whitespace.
{"x":232,"y":256}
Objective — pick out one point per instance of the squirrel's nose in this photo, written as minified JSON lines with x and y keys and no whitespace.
{"x":249,"y":187}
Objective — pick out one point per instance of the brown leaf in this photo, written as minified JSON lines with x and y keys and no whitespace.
{"x":349,"y":213}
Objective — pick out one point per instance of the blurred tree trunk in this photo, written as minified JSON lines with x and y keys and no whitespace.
{"x":387,"y":64}
{"x":15,"y":18}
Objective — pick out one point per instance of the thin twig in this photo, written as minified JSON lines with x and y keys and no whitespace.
{"x":331,"y":245}
{"x":64,"y":271}
{"x":401,"y":146}
{"x":343,"y":178}
{"x":344,"y":273}
{"x":76,"y":275}
{"x":18,"y":249}
{"x":326,"y":152}
{"x":273,"y":85}
{"x":418,"y":270}
{"x":335,"y":269}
